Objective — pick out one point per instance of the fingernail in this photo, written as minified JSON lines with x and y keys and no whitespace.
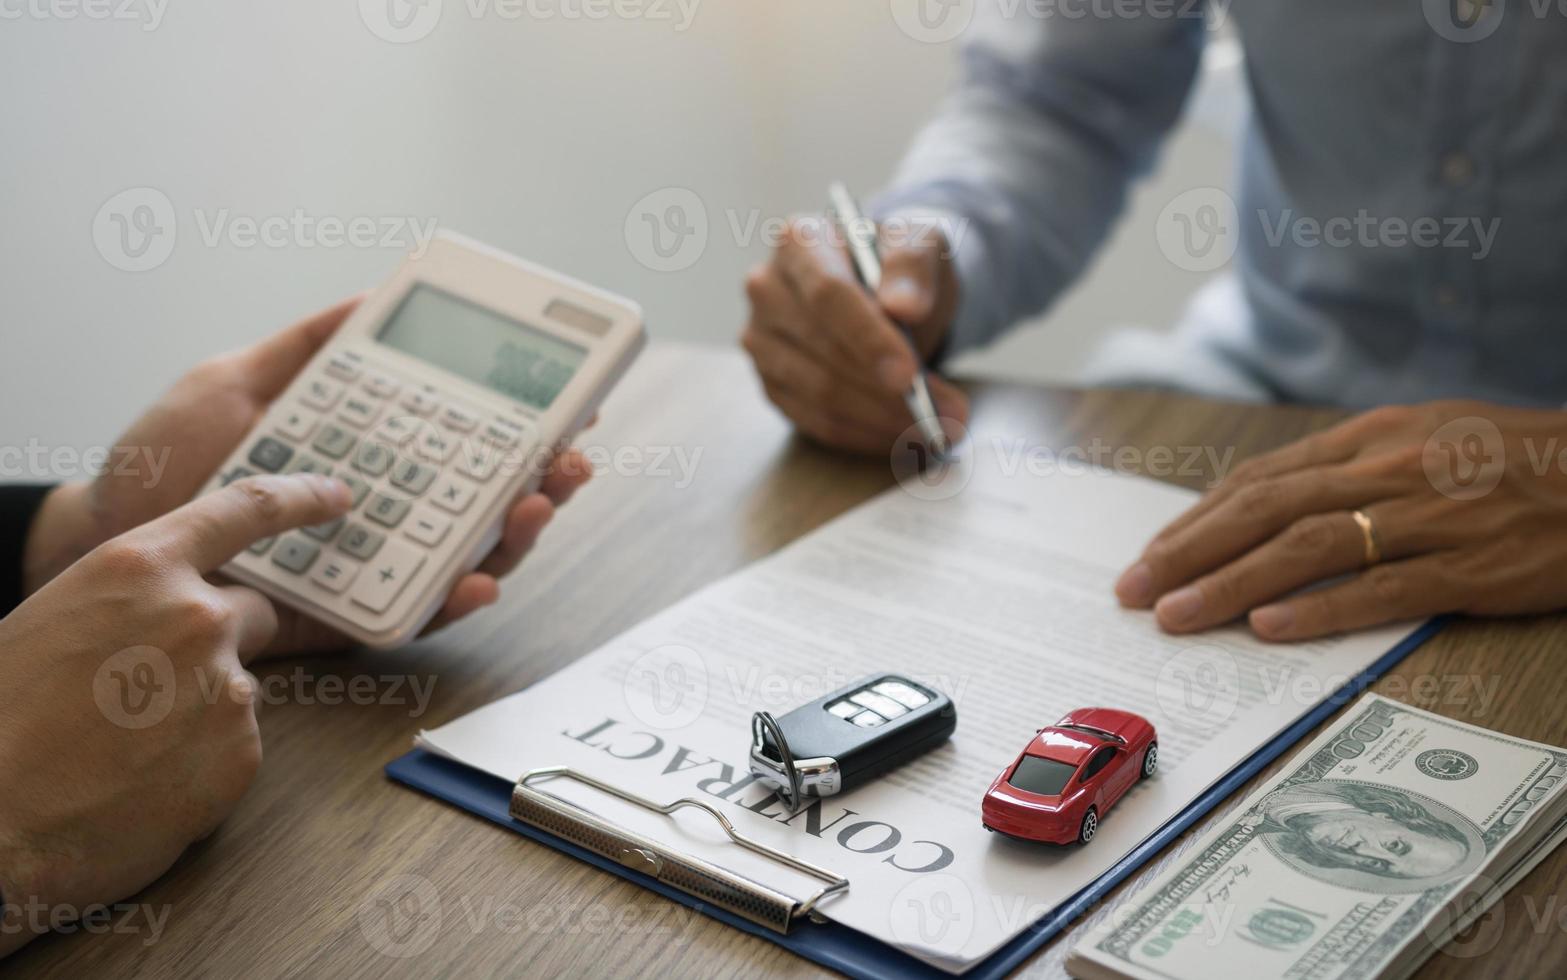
{"x":1274,"y":620}
{"x":1181,"y":606}
{"x":1135,"y":587}
{"x":331,"y":489}
{"x":905,"y":294}
{"x":895,"y":372}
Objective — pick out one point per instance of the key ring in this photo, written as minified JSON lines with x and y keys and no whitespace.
{"x":788,"y":783}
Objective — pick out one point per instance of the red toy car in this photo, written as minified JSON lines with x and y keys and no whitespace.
{"x":1070,"y":775}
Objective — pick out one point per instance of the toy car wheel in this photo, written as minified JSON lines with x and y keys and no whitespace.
{"x":1150,"y":759}
{"x":1090,"y":826}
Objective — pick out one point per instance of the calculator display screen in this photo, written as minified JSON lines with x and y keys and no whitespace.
{"x":483,"y":346}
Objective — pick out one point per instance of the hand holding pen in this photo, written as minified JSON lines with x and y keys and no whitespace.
{"x":841,"y":360}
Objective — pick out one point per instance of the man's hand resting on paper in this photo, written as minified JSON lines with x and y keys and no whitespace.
{"x":1468,"y":502}
{"x":127,"y":721}
{"x":188,"y":433}
{"x":829,"y":354}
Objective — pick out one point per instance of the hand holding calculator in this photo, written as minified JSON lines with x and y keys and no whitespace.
{"x":438,"y":403}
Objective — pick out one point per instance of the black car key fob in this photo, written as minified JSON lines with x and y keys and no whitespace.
{"x":849,"y":737}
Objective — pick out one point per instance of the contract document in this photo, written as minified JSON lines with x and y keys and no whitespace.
{"x":992,"y":584}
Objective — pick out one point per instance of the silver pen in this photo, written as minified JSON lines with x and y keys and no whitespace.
{"x":860,"y":236}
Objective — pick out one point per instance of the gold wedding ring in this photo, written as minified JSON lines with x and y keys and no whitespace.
{"x":1368,"y":530}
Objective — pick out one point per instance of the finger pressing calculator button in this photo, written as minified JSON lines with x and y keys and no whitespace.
{"x":325,"y":532}
{"x":361,"y":542}
{"x":295,"y":554}
{"x":335,"y":574}
{"x":459,"y":418}
{"x":359,"y":411}
{"x":387,"y":510}
{"x":307,"y":463}
{"x":270,"y":455}
{"x":343,"y":367}
{"x":419,"y":402}
{"x":296,"y":424}
{"x":428,"y":527}
{"x":373,"y":458}
{"x":334,"y":441}
{"x":356,"y":486}
{"x":453,"y":495}
{"x":386,"y":576}
{"x":321,"y":394}
{"x":413,"y":477}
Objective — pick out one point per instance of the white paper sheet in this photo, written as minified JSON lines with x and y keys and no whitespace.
{"x":998,"y":594}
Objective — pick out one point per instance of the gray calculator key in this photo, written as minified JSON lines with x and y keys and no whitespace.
{"x":307,"y":463}
{"x":334,"y":441}
{"x":361,"y":542}
{"x":411,"y":476}
{"x":260,"y":547}
{"x":325,"y":532}
{"x":373,"y":458}
{"x":387,"y":510}
{"x":356,"y":486}
{"x":269,"y":454}
{"x":237,"y":473}
{"x":296,"y":554}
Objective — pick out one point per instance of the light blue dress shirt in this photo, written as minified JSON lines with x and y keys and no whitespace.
{"x":1401,"y":202}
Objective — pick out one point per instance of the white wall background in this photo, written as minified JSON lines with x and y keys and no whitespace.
{"x":537,"y":135}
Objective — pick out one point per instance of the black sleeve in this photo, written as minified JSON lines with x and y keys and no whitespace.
{"x":18,"y":504}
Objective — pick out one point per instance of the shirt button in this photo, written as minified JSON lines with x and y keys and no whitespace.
{"x":1458,"y":169}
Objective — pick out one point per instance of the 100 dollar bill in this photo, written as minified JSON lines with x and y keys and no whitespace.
{"x":1344,"y":860}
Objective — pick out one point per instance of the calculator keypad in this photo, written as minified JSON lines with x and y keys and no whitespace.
{"x":415,"y":461}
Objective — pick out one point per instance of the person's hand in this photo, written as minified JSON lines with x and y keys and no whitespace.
{"x":127,"y":726}
{"x":177,"y":444}
{"x":830,"y":355}
{"x":1468,"y":502}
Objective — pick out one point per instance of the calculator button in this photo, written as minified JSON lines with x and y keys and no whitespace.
{"x":886,"y":707}
{"x":359,"y":411}
{"x":382,"y":579}
{"x":428,"y":527}
{"x":335,"y":574}
{"x":843,"y":709}
{"x":868,"y":719}
{"x":412,"y":477}
{"x":387,"y":510}
{"x":325,"y":532}
{"x":478,"y":461}
{"x":373,"y":458}
{"x":435,"y":446}
{"x":343,"y":367}
{"x":356,"y":486}
{"x":237,"y":473}
{"x":453,"y":495}
{"x":381,"y":386}
{"x":307,"y":463}
{"x":334,"y":441}
{"x":321,"y":395}
{"x":361,"y":542}
{"x":902,"y":693}
{"x":502,"y":434}
{"x":459,"y":418}
{"x":295,"y":554}
{"x":419,"y":402}
{"x":260,"y":547}
{"x":397,"y":429}
{"x":270,"y":455}
{"x":296,"y":424}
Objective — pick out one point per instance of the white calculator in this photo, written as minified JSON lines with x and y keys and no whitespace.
{"x":437,"y":402}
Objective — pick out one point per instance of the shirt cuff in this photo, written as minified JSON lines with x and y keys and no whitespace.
{"x":975,"y":320}
{"x":19,"y":504}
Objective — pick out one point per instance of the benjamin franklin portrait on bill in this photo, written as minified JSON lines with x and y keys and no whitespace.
{"x":1368,"y":837}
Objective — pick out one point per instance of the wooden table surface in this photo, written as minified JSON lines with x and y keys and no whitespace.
{"x":291,"y":884}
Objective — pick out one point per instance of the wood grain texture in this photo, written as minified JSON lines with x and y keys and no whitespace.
{"x":288,"y":886}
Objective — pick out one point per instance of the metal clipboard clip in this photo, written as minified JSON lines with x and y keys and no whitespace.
{"x":700,"y":879}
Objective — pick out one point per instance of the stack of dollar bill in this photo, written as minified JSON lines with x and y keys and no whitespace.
{"x":1386,"y":837}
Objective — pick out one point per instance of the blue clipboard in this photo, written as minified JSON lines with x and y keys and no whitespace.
{"x":847,"y":950}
